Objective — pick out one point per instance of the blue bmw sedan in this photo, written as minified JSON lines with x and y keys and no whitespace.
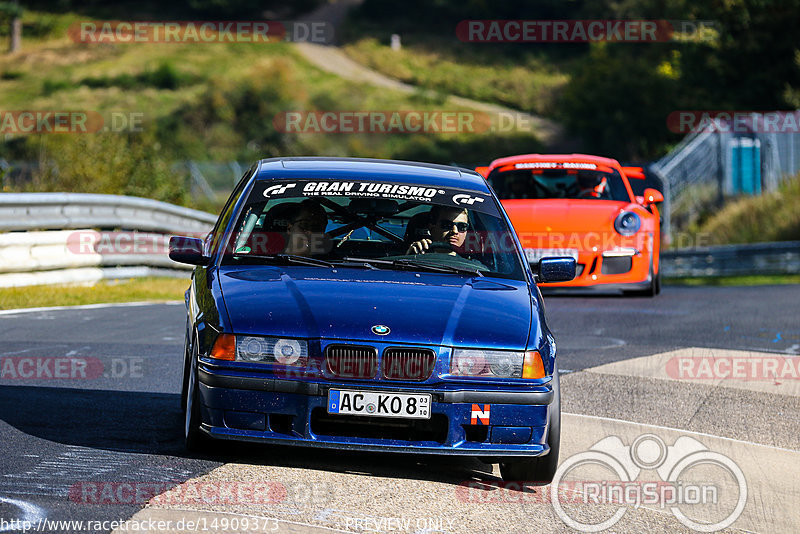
{"x":371,"y":305}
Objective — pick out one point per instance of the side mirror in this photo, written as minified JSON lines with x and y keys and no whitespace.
{"x":187,"y":250}
{"x":651,"y":196}
{"x":556,"y":269}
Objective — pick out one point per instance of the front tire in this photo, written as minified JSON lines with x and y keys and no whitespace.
{"x":540,"y":470}
{"x":194,"y":439}
{"x":653,"y":290}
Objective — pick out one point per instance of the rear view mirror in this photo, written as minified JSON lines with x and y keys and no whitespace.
{"x":556,"y":269}
{"x":187,"y":250}
{"x":382,"y":207}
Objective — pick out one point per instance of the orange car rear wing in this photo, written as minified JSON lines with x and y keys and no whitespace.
{"x":483,"y":171}
{"x":634,"y":172}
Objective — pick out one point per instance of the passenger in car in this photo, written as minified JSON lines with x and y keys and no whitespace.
{"x":305,"y":232}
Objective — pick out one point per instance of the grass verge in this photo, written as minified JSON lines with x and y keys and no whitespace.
{"x":750,"y":280}
{"x":106,"y":291}
{"x":529,"y":84}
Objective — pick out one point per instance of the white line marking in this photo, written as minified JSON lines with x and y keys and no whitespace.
{"x":91,"y":306}
{"x":32,"y":513}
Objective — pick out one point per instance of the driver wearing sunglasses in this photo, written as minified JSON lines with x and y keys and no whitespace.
{"x":447,"y":226}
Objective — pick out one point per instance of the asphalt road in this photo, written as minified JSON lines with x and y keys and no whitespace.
{"x":80,"y":445}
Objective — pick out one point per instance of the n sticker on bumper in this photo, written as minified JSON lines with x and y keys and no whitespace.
{"x":480,"y":416}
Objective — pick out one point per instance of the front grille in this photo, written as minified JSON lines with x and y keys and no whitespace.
{"x":407,"y":364}
{"x":351,"y":361}
{"x":389,"y":428}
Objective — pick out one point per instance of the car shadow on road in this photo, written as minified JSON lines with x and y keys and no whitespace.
{"x":455,"y":470}
{"x":127,"y":421}
{"x":152,"y":423}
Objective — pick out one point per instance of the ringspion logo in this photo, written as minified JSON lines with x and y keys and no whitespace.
{"x":692,"y":478}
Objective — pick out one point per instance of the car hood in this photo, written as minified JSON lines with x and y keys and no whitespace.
{"x":564,"y":215}
{"x":345,"y":303}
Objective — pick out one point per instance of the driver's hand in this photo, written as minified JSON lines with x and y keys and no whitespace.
{"x":419,"y":247}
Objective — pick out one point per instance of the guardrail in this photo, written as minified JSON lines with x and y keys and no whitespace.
{"x":51,"y":238}
{"x":733,"y":260}
{"x":61,"y":211}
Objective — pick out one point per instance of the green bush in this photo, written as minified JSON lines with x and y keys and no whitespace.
{"x":165,"y":76}
{"x":769,"y":217}
{"x":110,"y":163}
{"x":53,"y":86}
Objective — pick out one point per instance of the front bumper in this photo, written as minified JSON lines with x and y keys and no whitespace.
{"x":596,"y":268}
{"x":294,"y":412}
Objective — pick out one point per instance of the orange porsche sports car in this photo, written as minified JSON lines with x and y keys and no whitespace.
{"x":583,"y":206}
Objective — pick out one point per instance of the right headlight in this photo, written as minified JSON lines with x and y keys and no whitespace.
{"x":479,"y":363}
{"x":627,"y":223}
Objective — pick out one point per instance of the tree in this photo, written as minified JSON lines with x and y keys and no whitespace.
{"x":13,"y":11}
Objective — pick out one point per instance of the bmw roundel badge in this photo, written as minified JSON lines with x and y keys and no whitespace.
{"x":380,"y":329}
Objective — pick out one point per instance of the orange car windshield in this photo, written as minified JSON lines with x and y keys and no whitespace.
{"x":559,"y":183}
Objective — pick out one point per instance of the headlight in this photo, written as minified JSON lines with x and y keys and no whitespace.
{"x":496,"y":364}
{"x":279,"y":351}
{"x":627,"y":223}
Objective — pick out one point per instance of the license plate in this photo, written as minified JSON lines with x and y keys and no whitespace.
{"x":535,"y":254}
{"x":376,"y":404}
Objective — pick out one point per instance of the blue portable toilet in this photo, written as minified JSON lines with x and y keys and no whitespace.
{"x":745,"y":166}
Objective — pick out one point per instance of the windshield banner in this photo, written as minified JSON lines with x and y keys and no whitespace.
{"x":473,"y":200}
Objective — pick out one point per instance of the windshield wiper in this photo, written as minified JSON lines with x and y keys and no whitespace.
{"x":357,"y":262}
{"x":287,"y":259}
{"x":416,"y":264}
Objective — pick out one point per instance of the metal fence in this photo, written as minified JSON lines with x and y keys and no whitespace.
{"x":47,"y":211}
{"x":52,"y":238}
{"x":733,"y":260}
{"x":705,"y":166}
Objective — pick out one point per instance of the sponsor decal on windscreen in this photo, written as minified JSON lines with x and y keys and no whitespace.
{"x":370,"y":189}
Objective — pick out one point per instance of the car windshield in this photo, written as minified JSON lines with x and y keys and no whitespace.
{"x":384,"y":226}
{"x":535,"y":183}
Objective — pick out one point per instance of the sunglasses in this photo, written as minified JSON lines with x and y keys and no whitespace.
{"x":461,"y":227}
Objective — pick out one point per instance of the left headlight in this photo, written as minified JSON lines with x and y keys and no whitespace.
{"x":496,"y":364}
{"x":280,"y":351}
{"x":627,"y":223}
